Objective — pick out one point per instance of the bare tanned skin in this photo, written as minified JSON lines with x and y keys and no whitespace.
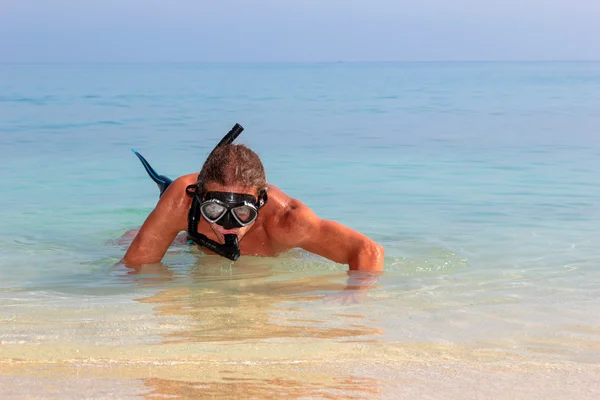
{"x":283,"y":224}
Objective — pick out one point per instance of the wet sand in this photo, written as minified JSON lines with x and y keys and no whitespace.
{"x":289,"y":370}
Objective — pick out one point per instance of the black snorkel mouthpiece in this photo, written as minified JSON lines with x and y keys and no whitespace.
{"x":230,"y":249}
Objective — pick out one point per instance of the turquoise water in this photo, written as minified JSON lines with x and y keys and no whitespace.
{"x":480,"y":180}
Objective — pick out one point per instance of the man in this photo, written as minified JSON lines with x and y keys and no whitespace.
{"x":230,"y":210}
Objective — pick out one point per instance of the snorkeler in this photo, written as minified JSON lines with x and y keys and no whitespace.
{"x":230,"y":210}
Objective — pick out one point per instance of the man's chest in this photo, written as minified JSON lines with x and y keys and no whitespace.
{"x":254,"y":243}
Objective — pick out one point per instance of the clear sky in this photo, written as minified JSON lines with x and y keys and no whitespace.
{"x":300,"y":30}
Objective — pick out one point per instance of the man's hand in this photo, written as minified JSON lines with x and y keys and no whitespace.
{"x":359,"y":282}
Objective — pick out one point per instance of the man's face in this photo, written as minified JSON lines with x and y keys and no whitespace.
{"x":218,"y":229}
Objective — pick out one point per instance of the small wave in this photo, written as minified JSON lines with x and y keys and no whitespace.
{"x":81,"y":125}
{"x":106,"y":102}
{"x":418,"y":257}
{"x":113,"y":104}
{"x":38,"y":101}
{"x":422,"y":266}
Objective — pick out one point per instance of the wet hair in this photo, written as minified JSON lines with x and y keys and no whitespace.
{"x":234,"y":164}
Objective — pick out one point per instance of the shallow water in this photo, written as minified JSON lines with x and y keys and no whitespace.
{"x":479,"y":179}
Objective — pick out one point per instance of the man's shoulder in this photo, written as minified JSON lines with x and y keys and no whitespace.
{"x":175,"y":199}
{"x":186,"y":180}
{"x":282,"y":206}
{"x":288,"y":217}
{"x":178,"y":186}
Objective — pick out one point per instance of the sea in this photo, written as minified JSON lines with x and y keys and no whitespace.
{"x":480,"y":180}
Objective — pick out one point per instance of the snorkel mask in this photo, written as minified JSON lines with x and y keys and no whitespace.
{"x":229,"y":210}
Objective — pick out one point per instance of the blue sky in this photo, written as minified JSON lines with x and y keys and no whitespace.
{"x":301,"y":30}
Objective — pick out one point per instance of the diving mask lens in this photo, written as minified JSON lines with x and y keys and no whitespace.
{"x":245,"y":214}
{"x":213,"y":211}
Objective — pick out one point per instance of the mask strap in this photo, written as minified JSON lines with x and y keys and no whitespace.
{"x":263,"y":198}
{"x":194,"y":188}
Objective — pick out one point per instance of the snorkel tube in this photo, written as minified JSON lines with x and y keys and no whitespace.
{"x":230,"y":249}
{"x":229,"y":137}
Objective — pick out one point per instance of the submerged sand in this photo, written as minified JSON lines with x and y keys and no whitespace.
{"x":280,"y":339}
{"x":291,"y":371}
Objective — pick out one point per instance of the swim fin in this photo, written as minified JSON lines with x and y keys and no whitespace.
{"x":161,"y":181}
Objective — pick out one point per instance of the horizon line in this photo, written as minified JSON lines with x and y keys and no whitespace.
{"x":306,"y":61}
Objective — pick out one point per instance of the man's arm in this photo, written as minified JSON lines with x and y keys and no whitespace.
{"x":331,"y":239}
{"x":160,"y":228}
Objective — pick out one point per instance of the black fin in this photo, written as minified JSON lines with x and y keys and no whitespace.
{"x":161,"y":181}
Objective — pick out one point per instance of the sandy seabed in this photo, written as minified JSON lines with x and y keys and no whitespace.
{"x":280,"y":343}
{"x":308,"y":370}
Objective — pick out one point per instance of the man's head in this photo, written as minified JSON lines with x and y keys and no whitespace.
{"x":233,"y":174}
{"x":234,"y":165}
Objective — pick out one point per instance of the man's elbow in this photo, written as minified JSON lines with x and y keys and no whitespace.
{"x":134,"y":258}
{"x":378,"y":255}
{"x":131,"y":262}
{"x":369,"y":257}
